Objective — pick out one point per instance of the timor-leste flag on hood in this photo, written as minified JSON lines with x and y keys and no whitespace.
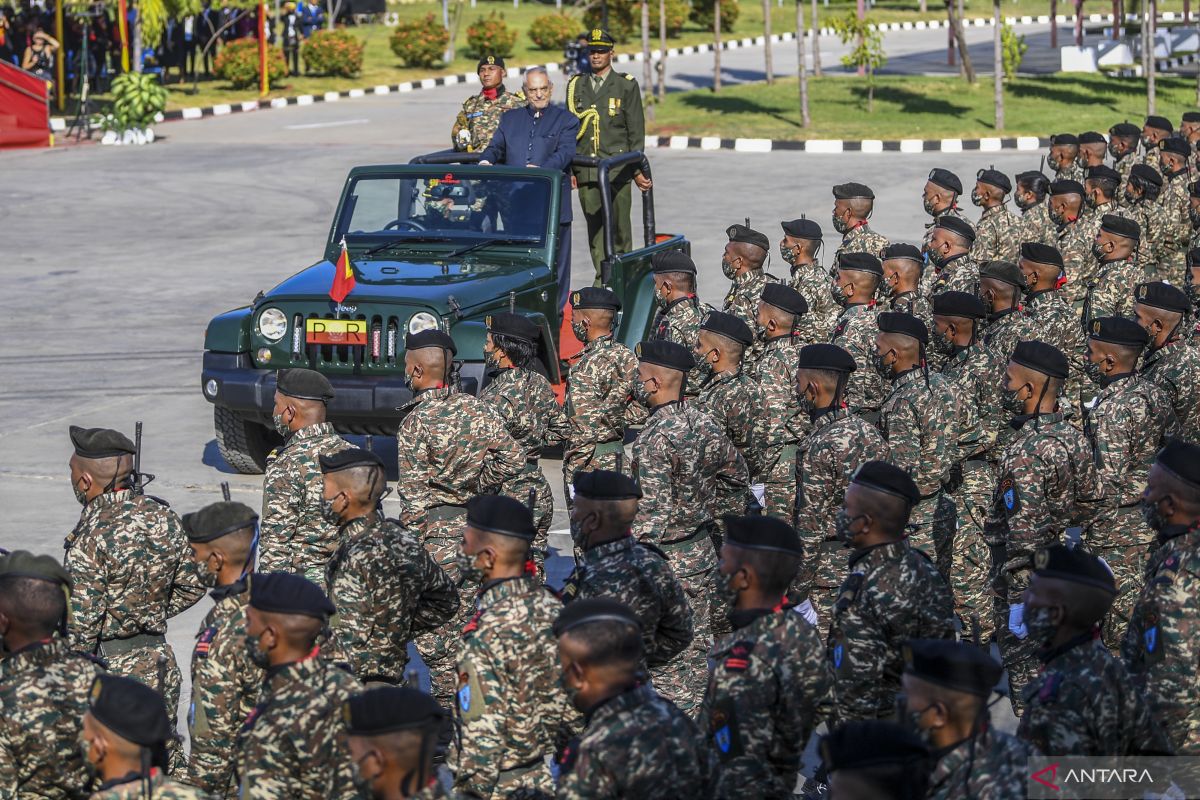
{"x":343,"y":277}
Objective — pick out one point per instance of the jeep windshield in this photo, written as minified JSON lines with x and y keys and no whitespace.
{"x":462,"y":211}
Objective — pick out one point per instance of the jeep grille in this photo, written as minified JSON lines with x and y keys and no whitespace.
{"x":382,"y":345}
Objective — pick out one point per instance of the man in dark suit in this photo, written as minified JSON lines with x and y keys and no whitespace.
{"x":541,"y":135}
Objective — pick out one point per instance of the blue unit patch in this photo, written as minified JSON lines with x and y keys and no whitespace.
{"x":1010,"y":499}
{"x":464,"y":698}
{"x":723,"y":739}
{"x":1151,"y":637}
{"x":837,"y":656}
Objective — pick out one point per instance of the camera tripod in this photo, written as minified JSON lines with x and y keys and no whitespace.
{"x":83,"y":110}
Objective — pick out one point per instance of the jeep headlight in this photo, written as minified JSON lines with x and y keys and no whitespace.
{"x":421,"y":321}
{"x":272,"y":324}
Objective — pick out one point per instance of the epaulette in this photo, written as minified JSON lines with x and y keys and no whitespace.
{"x":654,"y":549}
{"x":628,"y":77}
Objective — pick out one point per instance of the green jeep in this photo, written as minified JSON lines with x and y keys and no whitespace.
{"x":435,"y":243}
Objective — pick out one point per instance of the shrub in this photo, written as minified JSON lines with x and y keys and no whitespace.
{"x":553,"y":31}
{"x":702,"y":14}
{"x":332,"y":53}
{"x":1012,"y":51}
{"x":420,"y":42}
{"x":237,"y":62}
{"x":490,"y":36}
{"x":137,"y":98}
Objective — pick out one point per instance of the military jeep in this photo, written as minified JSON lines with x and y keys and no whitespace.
{"x":437,"y":243}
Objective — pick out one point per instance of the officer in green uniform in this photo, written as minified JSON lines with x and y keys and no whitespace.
{"x":609,"y":107}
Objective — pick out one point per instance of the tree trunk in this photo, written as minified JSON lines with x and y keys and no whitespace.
{"x":767,"y":60}
{"x":924,"y":7}
{"x":455,"y":20}
{"x":647,"y":68}
{"x":1079,"y":23}
{"x":816,"y":42}
{"x":968,"y":70}
{"x":862,"y":14}
{"x":137,"y":41}
{"x":870,"y":90}
{"x":998,"y":64}
{"x":1054,"y":24}
{"x":1151,"y":14}
{"x":717,"y":45}
{"x":801,"y":69}
{"x":662,"y":49}
{"x":1117,"y":21}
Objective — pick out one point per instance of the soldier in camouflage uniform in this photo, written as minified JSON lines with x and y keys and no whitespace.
{"x":130,"y":567}
{"x":876,"y":760}
{"x":385,"y":586}
{"x":1047,"y":482}
{"x":1101,"y":186}
{"x":742,"y":263}
{"x":945,"y":695}
{"x":855,"y":279}
{"x":1064,"y":157}
{"x":291,"y":744}
{"x":1083,"y":701}
{"x":1171,"y":362}
{"x":993,"y":232}
{"x":1074,"y":236}
{"x":892,"y":593}
{"x":1127,"y":423}
{"x":919,"y":421}
{"x":450,"y":447}
{"x":1122,"y":146}
{"x":1161,"y":647}
{"x":679,"y":310}
{"x":853,"y":204}
{"x":1189,"y":129}
{"x":799,"y":248}
{"x":1194,"y":218}
{"x":1034,"y":224}
{"x":1175,"y":231}
{"x":511,"y":708}
{"x":635,"y":743}
{"x":903,"y":265}
{"x":939,"y":198}
{"x":480,"y":114}
{"x":1110,"y":293}
{"x":613,"y":564}
{"x":1141,"y":195}
{"x":532,"y":416}
{"x":949,"y":251}
{"x":397,"y":728}
{"x":294,"y":536}
{"x":1155,"y":130}
{"x":837,"y":443}
{"x":770,"y":685}
{"x":1002,"y":287}
{"x":124,"y":741}
{"x":1093,"y":149}
{"x":44,"y":684}
{"x":225,"y":682}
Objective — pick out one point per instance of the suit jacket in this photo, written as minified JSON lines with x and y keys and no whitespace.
{"x":547,"y":140}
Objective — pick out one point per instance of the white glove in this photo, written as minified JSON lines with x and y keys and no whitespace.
{"x":759,"y":490}
{"x":571,"y":491}
{"x":1016,"y":620}
{"x":807,"y":611}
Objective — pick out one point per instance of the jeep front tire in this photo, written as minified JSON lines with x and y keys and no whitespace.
{"x":243,"y":443}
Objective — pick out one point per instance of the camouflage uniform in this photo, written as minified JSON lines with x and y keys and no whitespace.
{"x":292,"y":744}
{"x":956,"y":274}
{"x":481,"y":117}
{"x":1123,"y":165}
{"x":637,"y":745}
{"x":225,"y":687}
{"x":1175,"y":231}
{"x":1071,"y":172}
{"x":952,"y":211}
{"x":913,"y":303}
{"x":739,"y":406}
{"x":1052,"y":320}
{"x":1047,"y":483}
{"x":450,"y":447}
{"x":783,"y":421}
{"x":1175,"y":368}
{"x":598,"y":407}
{"x":1160,"y":648}
{"x":993,"y":235}
{"x":131,"y":570}
{"x":1034,"y":225}
{"x":742,"y":302}
{"x":860,"y":239}
{"x":893,"y":593}
{"x":826,"y":458}
{"x":812,"y":281}
{"x":855,"y":333}
{"x":161,"y":788}
{"x":1074,"y":242}
{"x":509,"y":702}
{"x":680,"y":322}
{"x":1004,"y":331}
{"x":769,"y":688}
{"x":992,"y":764}
{"x":1111,"y":292}
{"x":386,"y":588}
{"x":1130,"y":420}
{"x":43,"y":696}
{"x":1083,"y":703}
{"x":640,"y":577}
{"x":294,"y":536}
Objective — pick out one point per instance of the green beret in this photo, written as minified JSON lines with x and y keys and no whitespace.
{"x":24,"y":564}
{"x":100,"y":442}
{"x":218,"y":519}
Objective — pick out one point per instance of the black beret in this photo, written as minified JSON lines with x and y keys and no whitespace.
{"x":727,"y":325}
{"x":430,"y":338}
{"x":284,"y":593}
{"x":600,"y":39}
{"x":905,"y":324}
{"x":745,"y":235}
{"x":1040,"y":253}
{"x":1159,"y":123}
{"x":1191,"y":116}
{"x":1041,"y":357}
{"x":853,"y":191}
{"x":1179,"y":147}
{"x":130,"y":709}
{"x":1118,"y":330}
{"x":388,"y":709}
{"x":24,"y":564}
{"x":497,"y":513}
{"x":1074,"y":565}
{"x":1121,"y":226}
{"x":665,"y":354}
{"x":1193,"y":255}
{"x":1100,"y":172}
{"x":759,"y":532}
{"x":957,"y":225}
{"x":217,"y":520}
{"x":903,"y":250}
{"x":860,"y":262}
{"x":785,"y":298}
{"x":959,"y":666}
{"x":826,"y":356}
{"x":994,"y":177}
{"x":1091,"y":137}
{"x":1005,"y":271}
{"x":1194,"y":189}
{"x":865,"y":744}
{"x":594,"y":609}
{"x":518,"y":326}
{"x":603,"y":484}
{"x":1066,"y":187}
{"x":883,"y":476}
{"x":946,"y":179}
{"x":1146,"y":173}
{"x":802,"y":229}
{"x":1157,"y":294}
{"x":349,"y":458}
{"x":958,"y":304}
{"x":490,"y":61}
{"x":99,"y":442}
{"x":672,"y":261}
{"x":1181,"y":459}
{"x":595,"y":297}
{"x":1063,"y":140}
{"x":1124,"y":130}
{"x":304,"y":384}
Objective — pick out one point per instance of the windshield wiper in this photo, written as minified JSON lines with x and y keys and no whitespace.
{"x":489,"y":242}
{"x":404,"y":240}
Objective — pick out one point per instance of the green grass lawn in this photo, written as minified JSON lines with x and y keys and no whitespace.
{"x":917,"y":107}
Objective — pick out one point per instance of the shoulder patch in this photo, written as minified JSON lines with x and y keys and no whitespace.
{"x":1049,"y":690}
{"x":204,"y":642}
{"x":1008,"y":496}
{"x":628,"y":77}
{"x":565,"y":761}
{"x":738,"y":659}
{"x":469,"y":700}
{"x":723,"y":727}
